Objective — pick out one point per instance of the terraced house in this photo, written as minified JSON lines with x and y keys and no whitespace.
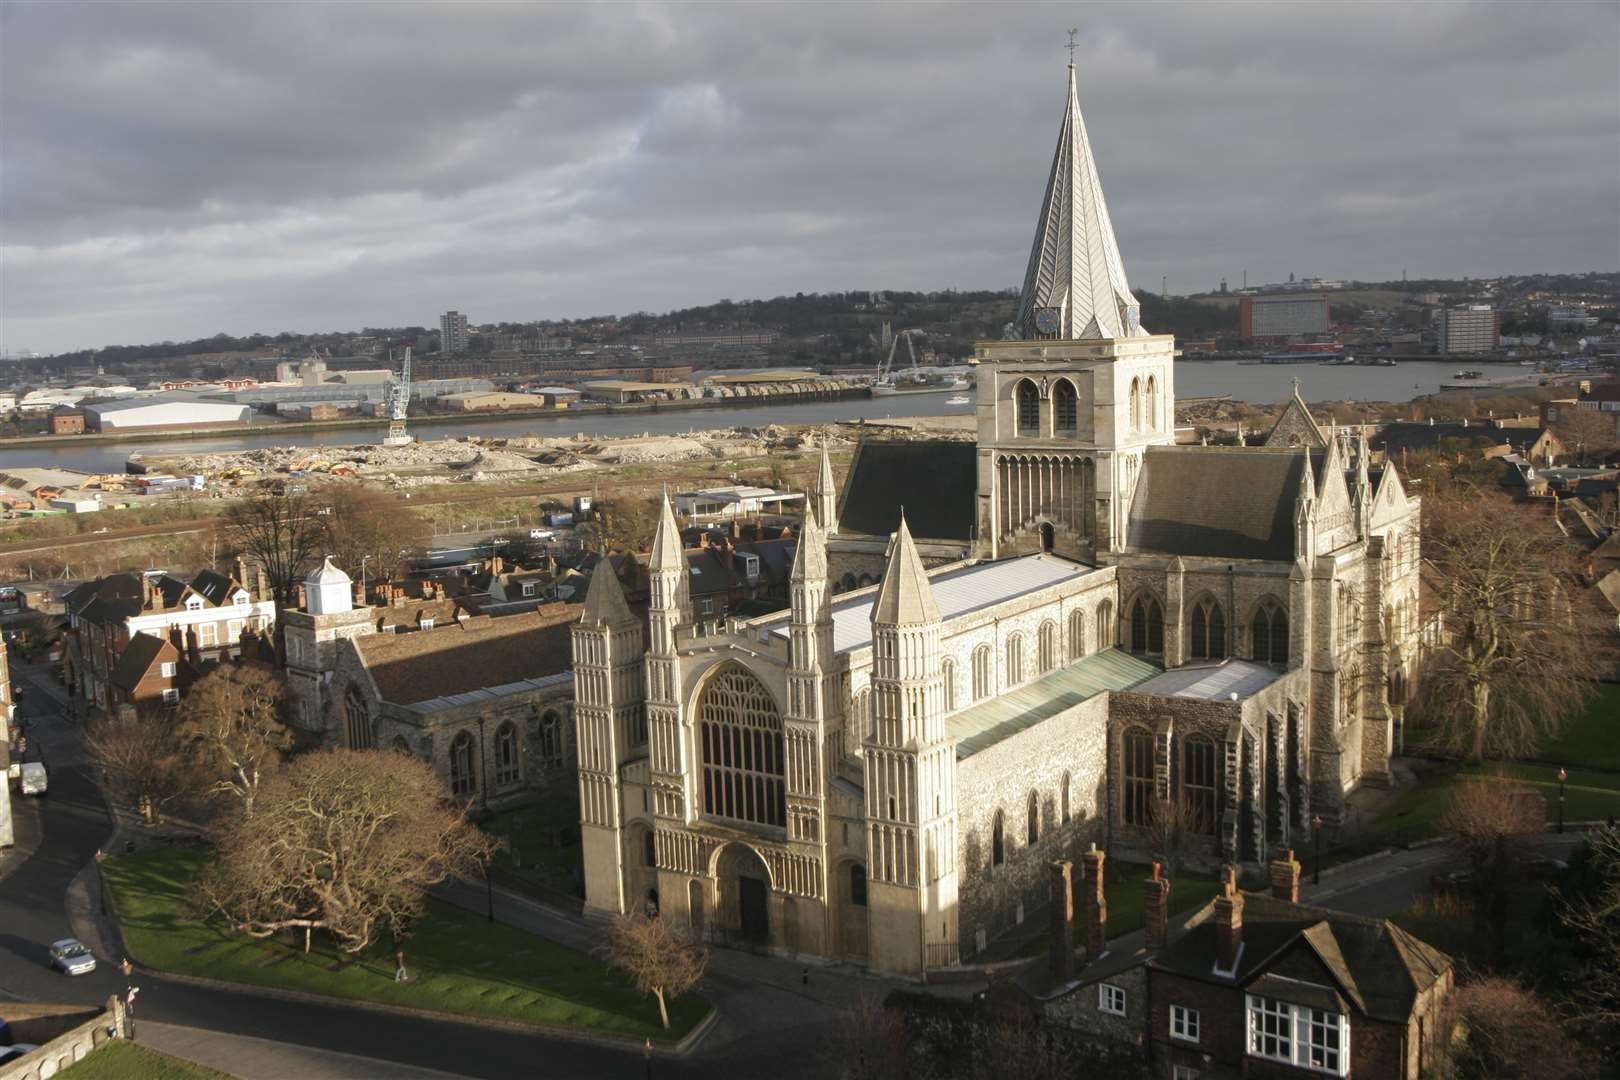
{"x":1128,"y":628}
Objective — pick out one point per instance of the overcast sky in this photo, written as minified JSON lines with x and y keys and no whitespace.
{"x":169,"y":171}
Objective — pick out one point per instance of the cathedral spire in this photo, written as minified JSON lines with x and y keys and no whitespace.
{"x":667,"y":552}
{"x":825,"y":501}
{"x":604,"y":599}
{"x":1075,"y":286}
{"x":905,"y":597}
{"x":810,"y":557}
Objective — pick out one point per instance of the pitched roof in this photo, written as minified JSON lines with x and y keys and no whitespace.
{"x":604,"y":599}
{"x":1075,"y":265}
{"x":810,"y":553}
{"x":1376,"y":965}
{"x":1295,"y":426}
{"x":116,"y":592}
{"x":213,"y":587}
{"x":904,"y":597}
{"x":936,"y":481}
{"x":469,"y":655}
{"x":1412,"y":436}
{"x":1023,"y":707}
{"x":137,"y":659}
{"x":1216,"y":501}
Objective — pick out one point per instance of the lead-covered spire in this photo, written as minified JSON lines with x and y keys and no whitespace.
{"x":905,"y":597}
{"x":1075,"y":286}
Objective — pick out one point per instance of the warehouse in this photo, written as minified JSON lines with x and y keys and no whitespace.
{"x":149,"y":415}
{"x":479,"y":401}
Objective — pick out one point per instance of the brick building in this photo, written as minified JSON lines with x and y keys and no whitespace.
{"x":1115,"y":627}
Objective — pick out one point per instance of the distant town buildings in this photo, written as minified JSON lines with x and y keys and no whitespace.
{"x":453,"y":332}
{"x":1571,"y":319}
{"x":1277,"y":319}
{"x":1471,"y":329}
{"x":150,"y":415}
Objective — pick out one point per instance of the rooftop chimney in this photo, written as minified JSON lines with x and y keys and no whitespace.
{"x":242,"y":578}
{"x":1285,"y":876}
{"x":1156,"y":908}
{"x":1228,"y":922}
{"x":1096,"y":904}
{"x":1062,"y":958}
{"x":263,"y":591}
{"x":193,"y":650}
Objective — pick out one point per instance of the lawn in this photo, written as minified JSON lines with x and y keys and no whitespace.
{"x":120,"y":1060}
{"x":542,"y":845}
{"x":462,"y":963}
{"x":1416,"y":812}
{"x":1122,"y":891}
{"x":1590,"y":740}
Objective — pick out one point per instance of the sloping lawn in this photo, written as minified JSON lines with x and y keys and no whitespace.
{"x":120,"y":1060}
{"x":1416,"y":813}
{"x":1590,"y":740}
{"x":461,"y":962}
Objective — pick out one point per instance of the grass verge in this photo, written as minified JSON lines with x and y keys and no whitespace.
{"x":120,"y":1060}
{"x":462,"y":963}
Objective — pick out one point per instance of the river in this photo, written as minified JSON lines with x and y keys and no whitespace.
{"x":1260,"y":383}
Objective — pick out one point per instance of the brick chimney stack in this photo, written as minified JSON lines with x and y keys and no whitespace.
{"x":1062,"y":958}
{"x":1285,"y":876}
{"x":1228,"y":921}
{"x":1156,"y":908}
{"x":1096,"y":904}
{"x":242,"y":578}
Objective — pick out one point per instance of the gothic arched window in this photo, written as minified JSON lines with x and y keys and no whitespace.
{"x":508,"y":767}
{"x":356,"y":720}
{"x":1198,"y":783}
{"x":1138,"y":791}
{"x":1208,"y":638}
{"x":649,"y":849}
{"x":1015,"y":659}
{"x":998,"y":846}
{"x":1065,"y":408}
{"x":551,"y":739}
{"x":1077,"y":635}
{"x":1034,"y":826}
{"x":1151,"y":411}
{"x":1136,"y":404}
{"x":947,"y":672}
{"x":1270,"y":633}
{"x":1105,"y":625}
{"x":1147,"y":625}
{"x":461,"y":765}
{"x":1029,"y":409}
{"x":983,"y":673}
{"x":857,"y":885}
{"x":1046,"y":648}
{"x":1065,"y":798}
{"x":742,"y":749}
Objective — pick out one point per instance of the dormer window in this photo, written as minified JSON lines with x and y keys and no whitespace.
{"x":241,"y":597}
{"x":425,"y":623}
{"x":751,"y":565}
{"x":528,"y":588}
{"x":194,"y":603}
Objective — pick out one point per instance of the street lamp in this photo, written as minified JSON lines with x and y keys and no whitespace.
{"x":1316,"y":849}
{"x":1563,"y":774}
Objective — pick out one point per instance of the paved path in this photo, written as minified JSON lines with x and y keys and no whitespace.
{"x":248,"y":1058}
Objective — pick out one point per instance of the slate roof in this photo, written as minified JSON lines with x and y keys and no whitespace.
{"x":1412,"y":436}
{"x":213,"y":587}
{"x":1376,"y":966}
{"x":475,"y":654}
{"x":936,"y":481}
{"x":1216,"y":501}
{"x":1212,"y":682}
{"x":137,"y":659}
{"x":956,"y":592}
{"x":982,"y":726}
{"x":115,"y":591}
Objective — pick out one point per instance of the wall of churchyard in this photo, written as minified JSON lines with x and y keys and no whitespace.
{"x":993,"y":899}
{"x":1079,"y":1008}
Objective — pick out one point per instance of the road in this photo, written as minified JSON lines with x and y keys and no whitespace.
{"x":776,"y":1031}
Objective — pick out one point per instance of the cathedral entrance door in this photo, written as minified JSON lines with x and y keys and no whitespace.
{"x":756,"y":927}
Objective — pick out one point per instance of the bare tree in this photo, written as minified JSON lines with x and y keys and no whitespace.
{"x":867,"y":1041}
{"x":345,"y":841}
{"x":1504,"y":1032}
{"x":1490,"y":819}
{"x":1589,"y":434}
{"x":1516,"y":622}
{"x":663,"y":961}
{"x":233,"y":719}
{"x":1591,"y":912}
{"x":143,"y":763}
{"x":623,"y":523}
{"x":284,"y":534}
{"x":373,"y":527}
{"x":1171,"y":824}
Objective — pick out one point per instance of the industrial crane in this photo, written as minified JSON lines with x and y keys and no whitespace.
{"x":399,"y":403}
{"x":885,"y":370}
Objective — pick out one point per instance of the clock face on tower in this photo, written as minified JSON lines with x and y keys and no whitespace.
{"x":1048,"y":319}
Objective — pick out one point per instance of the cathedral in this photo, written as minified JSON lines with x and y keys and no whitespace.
{"x":1076,"y":632}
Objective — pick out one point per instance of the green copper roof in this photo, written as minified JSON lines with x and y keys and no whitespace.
{"x":988,"y":723}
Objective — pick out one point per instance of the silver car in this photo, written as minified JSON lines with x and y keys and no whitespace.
{"x":70,"y":957}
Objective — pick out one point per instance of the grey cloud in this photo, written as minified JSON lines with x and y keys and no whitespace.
{"x":168,"y":170}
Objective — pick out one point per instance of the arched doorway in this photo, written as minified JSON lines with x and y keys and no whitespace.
{"x":850,"y":889}
{"x":1048,"y":536}
{"x":744,"y":887}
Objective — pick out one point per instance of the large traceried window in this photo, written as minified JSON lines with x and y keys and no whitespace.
{"x":551,"y":739}
{"x":983,"y":672}
{"x":356,"y":720}
{"x":461,"y":765}
{"x":1147,"y":625}
{"x":1198,"y":783}
{"x":1138,"y":791}
{"x":508,"y":771}
{"x":1065,"y":408}
{"x":742,"y":749}
{"x":1299,"y":1035}
{"x":1105,"y":625}
{"x":1029,"y":409}
{"x":1208,"y":631}
{"x":1077,"y":635}
{"x":1046,"y":648}
{"x":1270,"y":633}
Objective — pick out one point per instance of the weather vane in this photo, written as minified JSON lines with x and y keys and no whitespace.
{"x":1073,"y":30}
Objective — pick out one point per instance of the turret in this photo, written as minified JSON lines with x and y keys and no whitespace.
{"x":327,"y":591}
{"x":670,"y":605}
{"x":824,"y":499}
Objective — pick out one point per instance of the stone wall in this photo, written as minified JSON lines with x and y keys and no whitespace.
{"x":65,"y":1034}
{"x":1079,"y":1009}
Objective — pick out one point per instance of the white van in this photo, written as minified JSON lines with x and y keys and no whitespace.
{"x":541,"y":534}
{"x":33,"y":778}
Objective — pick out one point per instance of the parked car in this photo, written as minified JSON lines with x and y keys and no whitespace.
{"x":542,"y":534}
{"x":11,"y":1053}
{"x":70,"y":957}
{"x":33,"y":778}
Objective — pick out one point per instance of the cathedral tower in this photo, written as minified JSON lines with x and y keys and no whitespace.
{"x":1068,"y":404}
{"x":612,"y":729}
{"x":910,"y":773}
{"x":669,"y":608}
